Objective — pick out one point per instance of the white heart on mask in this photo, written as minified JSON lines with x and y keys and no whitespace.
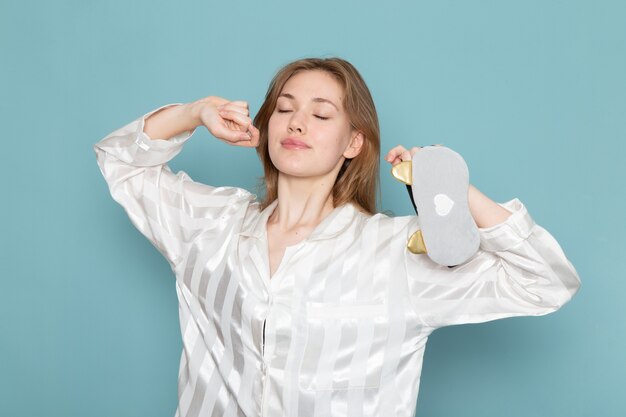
{"x":443,"y":204}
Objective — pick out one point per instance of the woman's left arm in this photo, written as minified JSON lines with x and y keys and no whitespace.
{"x":519,"y":270}
{"x":485,"y":211}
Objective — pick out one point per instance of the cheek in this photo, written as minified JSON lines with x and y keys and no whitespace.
{"x":271,"y":125}
{"x":330,"y":153}
{"x":272,"y":130}
{"x":339,"y":141}
{"x":275,"y":127}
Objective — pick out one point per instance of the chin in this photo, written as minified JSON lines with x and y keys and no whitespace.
{"x":296,"y":170}
{"x":294,"y":166}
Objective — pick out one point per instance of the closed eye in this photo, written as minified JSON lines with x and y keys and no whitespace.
{"x":319,"y":117}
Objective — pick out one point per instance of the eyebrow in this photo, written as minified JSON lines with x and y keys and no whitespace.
{"x":315,"y":99}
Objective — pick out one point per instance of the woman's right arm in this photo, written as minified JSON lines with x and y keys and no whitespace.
{"x":226,"y":120}
{"x":172,"y":121}
{"x":170,"y":209}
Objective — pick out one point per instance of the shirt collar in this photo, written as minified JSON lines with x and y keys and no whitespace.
{"x":333,"y":224}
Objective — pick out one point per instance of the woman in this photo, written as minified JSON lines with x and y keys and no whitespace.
{"x":308,"y":303}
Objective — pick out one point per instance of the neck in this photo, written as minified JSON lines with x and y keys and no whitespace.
{"x":302,"y":202}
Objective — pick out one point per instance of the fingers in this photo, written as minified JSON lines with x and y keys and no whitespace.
{"x":233,"y":124}
{"x":399,"y":154}
{"x":394,"y":153}
{"x":236,"y":106}
{"x":247,"y":138}
{"x":405,"y":156}
{"x":253,"y":135}
{"x":241,"y":119}
{"x":235,"y":137}
{"x":243,"y":133}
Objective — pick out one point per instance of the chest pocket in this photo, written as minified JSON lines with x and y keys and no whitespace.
{"x":344,"y":346}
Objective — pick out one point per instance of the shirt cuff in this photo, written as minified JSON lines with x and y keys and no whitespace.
{"x":505,"y":235}
{"x":131,"y":145}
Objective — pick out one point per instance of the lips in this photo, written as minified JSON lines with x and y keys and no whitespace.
{"x":292,"y":143}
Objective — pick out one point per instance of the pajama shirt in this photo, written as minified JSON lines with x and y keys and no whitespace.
{"x":341,"y":327}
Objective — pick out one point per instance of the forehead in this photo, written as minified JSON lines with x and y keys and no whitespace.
{"x":310,"y":84}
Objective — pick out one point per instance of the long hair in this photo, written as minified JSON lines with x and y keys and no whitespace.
{"x":357,"y":180}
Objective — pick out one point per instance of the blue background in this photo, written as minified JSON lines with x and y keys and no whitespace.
{"x":531,"y":93}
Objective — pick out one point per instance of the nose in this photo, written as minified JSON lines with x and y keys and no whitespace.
{"x":295,"y":123}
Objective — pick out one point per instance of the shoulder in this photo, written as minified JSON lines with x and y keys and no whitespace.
{"x":203,"y":195}
{"x":384,"y":219}
{"x":388,"y":226}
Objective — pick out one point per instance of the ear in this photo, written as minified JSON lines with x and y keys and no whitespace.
{"x":355,"y":145}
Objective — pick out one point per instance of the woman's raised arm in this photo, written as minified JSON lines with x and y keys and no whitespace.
{"x":227,"y":120}
{"x":519,"y":270}
{"x":171,"y":121}
{"x":170,"y":209}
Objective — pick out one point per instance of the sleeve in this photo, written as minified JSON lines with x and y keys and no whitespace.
{"x":169,"y":209}
{"x":519,"y":270}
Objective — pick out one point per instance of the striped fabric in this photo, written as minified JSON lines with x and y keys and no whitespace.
{"x":340,"y":328}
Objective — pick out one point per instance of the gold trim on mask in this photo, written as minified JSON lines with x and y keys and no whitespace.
{"x":416,"y":243}
{"x":403,"y":172}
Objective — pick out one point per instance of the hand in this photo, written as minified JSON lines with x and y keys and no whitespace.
{"x":399,"y":154}
{"x":228,"y":121}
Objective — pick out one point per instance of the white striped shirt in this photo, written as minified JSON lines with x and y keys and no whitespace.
{"x":341,"y":327}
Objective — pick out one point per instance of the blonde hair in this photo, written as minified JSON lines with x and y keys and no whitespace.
{"x":357,"y":180}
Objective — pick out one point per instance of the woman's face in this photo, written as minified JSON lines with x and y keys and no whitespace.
{"x":309,"y":133}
